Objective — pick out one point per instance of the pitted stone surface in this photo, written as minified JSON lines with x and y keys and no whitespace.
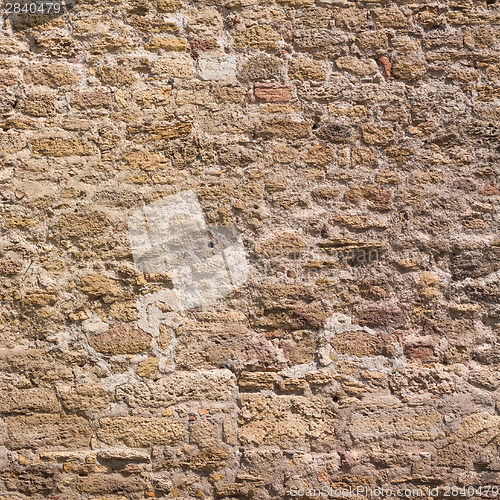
{"x":354,"y":147}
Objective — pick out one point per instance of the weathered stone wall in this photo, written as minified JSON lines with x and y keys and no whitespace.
{"x":355,"y":146}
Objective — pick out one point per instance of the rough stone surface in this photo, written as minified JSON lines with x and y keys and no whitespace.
{"x":354,"y":146}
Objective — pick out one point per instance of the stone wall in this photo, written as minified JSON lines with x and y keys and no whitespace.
{"x":355,"y":147}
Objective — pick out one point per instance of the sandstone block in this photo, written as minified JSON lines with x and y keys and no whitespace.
{"x":306,"y":69}
{"x":256,"y":381}
{"x":406,"y":424}
{"x":96,"y":285}
{"x":121,"y":338}
{"x":318,"y":155}
{"x":211,"y":385}
{"x":43,"y":430}
{"x":205,"y":434}
{"x":262,"y":68}
{"x":268,"y":420}
{"x":110,"y":484}
{"x":70,"y":225}
{"x":141,"y":432}
{"x":206,"y":20}
{"x":257,"y":37}
{"x":167,"y":44}
{"x":283,"y":244}
{"x":390,"y":17}
{"x":284,"y":129}
{"x":147,"y":367}
{"x":9,"y":78}
{"x":39,"y":400}
{"x":293,"y":385}
{"x":117,"y":76}
{"x":363,"y":344}
{"x":53,"y":75}
{"x":58,"y":47}
{"x":373,"y":42}
{"x":297,"y":3}
{"x":91,"y":99}
{"x":357,"y":66}
{"x":38,"y":105}
{"x":375,"y":134}
{"x":328,"y":41}
{"x":175,"y":66}
{"x":58,"y":147}
{"x":480,"y":428}
{"x":207,"y":460}
{"x":83,"y":398}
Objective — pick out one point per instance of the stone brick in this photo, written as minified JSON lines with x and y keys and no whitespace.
{"x":257,"y":37}
{"x":110,"y":484}
{"x":9,"y":78}
{"x":284,"y":129}
{"x":181,"y":386}
{"x":359,"y":67}
{"x":116,"y":76}
{"x":71,"y":225}
{"x":110,"y":44}
{"x":121,"y":338}
{"x":405,"y":424}
{"x":363,"y":344}
{"x":96,"y":285}
{"x":390,"y":17}
{"x":207,"y":20}
{"x":306,"y":69}
{"x":335,"y":132}
{"x":53,"y":75}
{"x":271,"y":92}
{"x":319,"y":155}
{"x":262,"y":68}
{"x":35,"y":400}
{"x":353,"y":146}
{"x":374,"y":134}
{"x":83,"y":398}
{"x":205,"y":434}
{"x":329,"y":41}
{"x":91,"y":99}
{"x":219,"y":68}
{"x":163,"y":131}
{"x":382,"y":317}
{"x":207,"y":460}
{"x":141,"y":432}
{"x":480,"y":428}
{"x":297,"y":3}
{"x":268,"y":420}
{"x":373,"y":42}
{"x":38,"y":105}
{"x":282,"y":244}
{"x":173,"y":67}
{"x":58,"y":47}
{"x":168,"y":44}
{"x":256,"y":381}
{"x":58,"y":146}
{"x":292,"y":385}
{"x":47,"y":430}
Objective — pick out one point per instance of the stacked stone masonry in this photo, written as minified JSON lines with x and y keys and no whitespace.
{"x":355,"y":147}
